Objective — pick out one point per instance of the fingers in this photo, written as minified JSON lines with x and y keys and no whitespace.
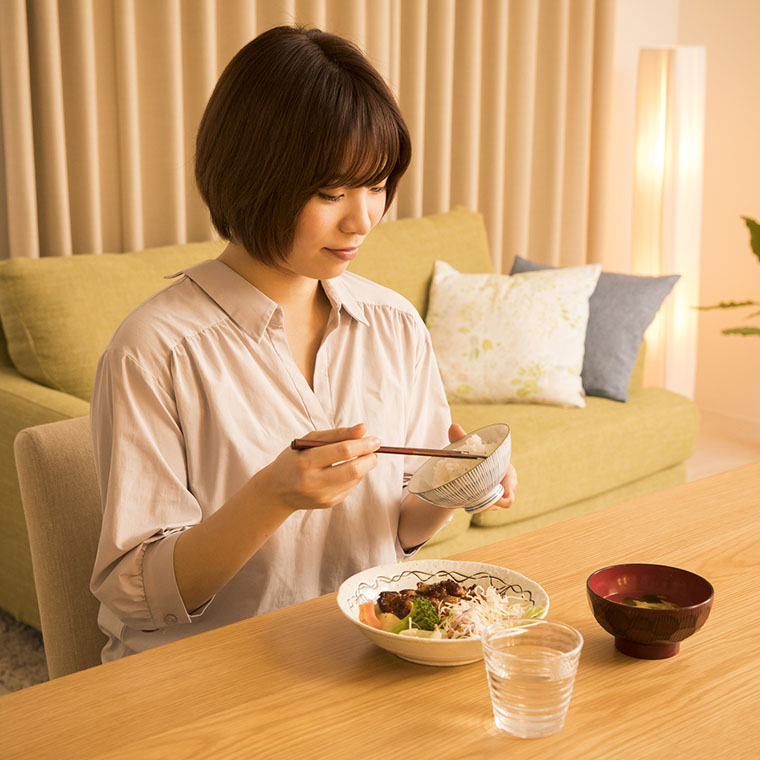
{"x":343,"y":444}
{"x":348,"y":474}
{"x":327,"y":474}
{"x":510,"y":484}
{"x":320,"y":477}
{"x":510,"y":480}
{"x":456,"y":432}
{"x":505,"y":502}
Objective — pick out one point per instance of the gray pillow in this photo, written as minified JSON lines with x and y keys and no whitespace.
{"x":620,"y":310}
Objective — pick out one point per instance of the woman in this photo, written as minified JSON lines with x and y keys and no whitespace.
{"x":209,"y":516}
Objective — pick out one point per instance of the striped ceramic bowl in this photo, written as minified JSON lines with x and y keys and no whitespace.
{"x":479,"y":486}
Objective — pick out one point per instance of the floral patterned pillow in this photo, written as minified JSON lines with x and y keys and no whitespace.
{"x":500,"y":338}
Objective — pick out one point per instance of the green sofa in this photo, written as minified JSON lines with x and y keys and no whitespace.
{"x":58,"y":314}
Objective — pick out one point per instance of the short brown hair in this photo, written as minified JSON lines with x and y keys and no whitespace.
{"x":294,"y":111}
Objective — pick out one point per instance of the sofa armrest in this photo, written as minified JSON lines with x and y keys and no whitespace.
{"x":23,"y":403}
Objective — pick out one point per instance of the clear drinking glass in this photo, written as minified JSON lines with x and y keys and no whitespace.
{"x":531,"y":666}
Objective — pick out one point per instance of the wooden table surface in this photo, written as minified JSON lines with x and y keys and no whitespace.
{"x":303,"y":682}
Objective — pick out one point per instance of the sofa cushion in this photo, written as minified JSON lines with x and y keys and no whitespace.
{"x":565,"y":455}
{"x":401,"y":254}
{"x":620,"y":310}
{"x":59,"y":313}
{"x":499,"y":338}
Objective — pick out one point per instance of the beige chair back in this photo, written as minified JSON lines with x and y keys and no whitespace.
{"x":61,"y":498}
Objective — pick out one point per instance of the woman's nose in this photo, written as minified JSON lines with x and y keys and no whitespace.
{"x":357,"y":220}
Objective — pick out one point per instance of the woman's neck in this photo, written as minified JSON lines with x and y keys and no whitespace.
{"x":291,"y":291}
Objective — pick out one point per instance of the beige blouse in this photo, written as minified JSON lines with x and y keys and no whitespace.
{"x":196,"y":392}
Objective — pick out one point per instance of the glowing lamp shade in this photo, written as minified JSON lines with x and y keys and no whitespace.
{"x":667,"y":203}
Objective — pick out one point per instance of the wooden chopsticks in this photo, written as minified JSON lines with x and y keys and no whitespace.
{"x":304,"y":443}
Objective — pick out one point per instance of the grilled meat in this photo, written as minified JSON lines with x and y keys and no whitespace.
{"x":400,"y":602}
{"x":397,"y":602}
{"x":441,"y":589}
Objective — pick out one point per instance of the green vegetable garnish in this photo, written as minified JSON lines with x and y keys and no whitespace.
{"x":422,"y":616}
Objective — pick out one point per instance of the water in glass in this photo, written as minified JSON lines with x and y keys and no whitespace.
{"x":530,"y":675}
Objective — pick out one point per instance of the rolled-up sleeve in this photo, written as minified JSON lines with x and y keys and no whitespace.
{"x":141,"y":465}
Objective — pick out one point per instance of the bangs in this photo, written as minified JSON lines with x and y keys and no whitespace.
{"x":364,"y":143}
{"x":359,"y":160}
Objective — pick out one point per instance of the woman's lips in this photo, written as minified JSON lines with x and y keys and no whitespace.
{"x":344,"y":253}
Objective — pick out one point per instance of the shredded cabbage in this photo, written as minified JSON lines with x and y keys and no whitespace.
{"x":470,"y":616}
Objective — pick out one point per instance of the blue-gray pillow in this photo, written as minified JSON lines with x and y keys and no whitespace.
{"x":620,"y":309}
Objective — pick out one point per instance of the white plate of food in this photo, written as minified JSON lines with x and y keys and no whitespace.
{"x":431,"y":611}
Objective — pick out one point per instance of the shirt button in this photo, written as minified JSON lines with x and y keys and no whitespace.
{"x":170,"y":619}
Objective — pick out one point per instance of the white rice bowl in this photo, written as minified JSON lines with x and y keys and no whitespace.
{"x":366,"y":585}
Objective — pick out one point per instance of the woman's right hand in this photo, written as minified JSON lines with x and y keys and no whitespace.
{"x":209,"y":554}
{"x":321,"y":477}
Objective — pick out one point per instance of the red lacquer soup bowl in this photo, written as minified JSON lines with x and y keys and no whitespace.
{"x":649,"y":609}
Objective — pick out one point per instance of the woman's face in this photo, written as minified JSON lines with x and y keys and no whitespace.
{"x":331,"y":227}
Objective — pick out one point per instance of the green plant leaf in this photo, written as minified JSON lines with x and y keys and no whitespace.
{"x":741,"y":331}
{"x":754,"y":235}
{"x":728,"y":305}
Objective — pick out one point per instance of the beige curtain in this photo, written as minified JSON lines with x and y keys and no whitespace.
{"x":506,"y":101}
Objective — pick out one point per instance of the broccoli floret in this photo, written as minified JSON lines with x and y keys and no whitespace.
{"x":423,"y":614}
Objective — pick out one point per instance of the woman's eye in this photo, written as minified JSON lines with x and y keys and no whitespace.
{"x":334,"y":198}
{"x":328,"y":197}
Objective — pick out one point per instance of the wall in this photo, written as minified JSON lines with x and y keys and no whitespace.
{"x":638,"y":24}
{"x":728,"y":367}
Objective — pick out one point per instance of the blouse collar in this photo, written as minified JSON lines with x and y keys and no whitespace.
{"x":249,"y":307}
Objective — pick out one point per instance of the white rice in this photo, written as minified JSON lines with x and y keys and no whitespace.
{"x":446,"y":470}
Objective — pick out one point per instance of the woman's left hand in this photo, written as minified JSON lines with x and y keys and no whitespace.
{"x":510,"y":479}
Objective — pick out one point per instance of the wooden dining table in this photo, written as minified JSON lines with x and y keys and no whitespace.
{"x":304,"y":682}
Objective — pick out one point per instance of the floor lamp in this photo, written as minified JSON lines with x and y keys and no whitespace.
{"x":667,"y":203}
